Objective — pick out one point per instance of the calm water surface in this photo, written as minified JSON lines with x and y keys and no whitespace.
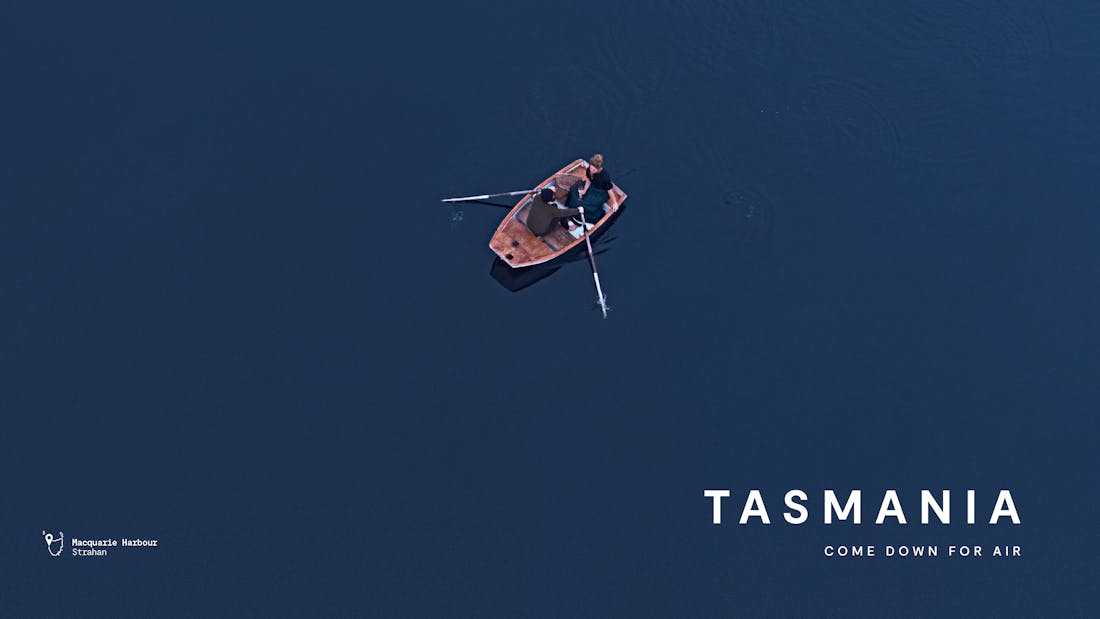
{"x":859,"y":252}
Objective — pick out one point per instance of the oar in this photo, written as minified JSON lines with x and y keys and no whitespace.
{"x":595,"y":274}
{"x":490,"y":195}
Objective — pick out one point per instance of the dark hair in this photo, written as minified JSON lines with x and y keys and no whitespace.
{"x":547,"y":195}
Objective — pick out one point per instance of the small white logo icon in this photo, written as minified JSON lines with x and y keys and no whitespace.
{"x":51,"y":540}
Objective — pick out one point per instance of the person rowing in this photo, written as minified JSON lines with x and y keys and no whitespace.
{"x":545,"y":211}
{"x":592,"y":192}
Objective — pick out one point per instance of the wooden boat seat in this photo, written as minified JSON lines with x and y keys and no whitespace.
{"x":557,"y":238}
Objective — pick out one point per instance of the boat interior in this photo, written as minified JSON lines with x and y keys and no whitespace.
{"x":557,"y":237}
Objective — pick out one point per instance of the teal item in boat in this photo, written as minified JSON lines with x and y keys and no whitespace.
{"x":592,"y":202}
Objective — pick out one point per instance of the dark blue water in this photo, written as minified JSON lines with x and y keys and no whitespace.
{"x":859,"y":252}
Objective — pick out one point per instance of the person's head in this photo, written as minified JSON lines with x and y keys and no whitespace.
{"x":547,"y":195}
{"x":596,"y":161}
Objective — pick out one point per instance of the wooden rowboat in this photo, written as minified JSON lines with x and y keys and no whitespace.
{"x":518,"y":247}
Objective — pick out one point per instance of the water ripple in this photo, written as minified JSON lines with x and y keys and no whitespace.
{"x":753,"y":216}
{"x":590,"y":109}
{"x":989,"y":35}
{"x":958,"y":55}
{"x":667,"y":64}
{"x":824,"y":117}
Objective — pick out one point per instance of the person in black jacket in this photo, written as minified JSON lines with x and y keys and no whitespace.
{"x":593,"y":191}
{"x":544,"y":211}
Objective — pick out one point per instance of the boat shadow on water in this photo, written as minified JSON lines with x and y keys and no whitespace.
{"x":515,"y":280}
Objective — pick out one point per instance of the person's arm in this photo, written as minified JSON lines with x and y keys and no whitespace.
{"x":586,"y":182}
{"x":605,"y":180}
{"x":567,"y":212}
